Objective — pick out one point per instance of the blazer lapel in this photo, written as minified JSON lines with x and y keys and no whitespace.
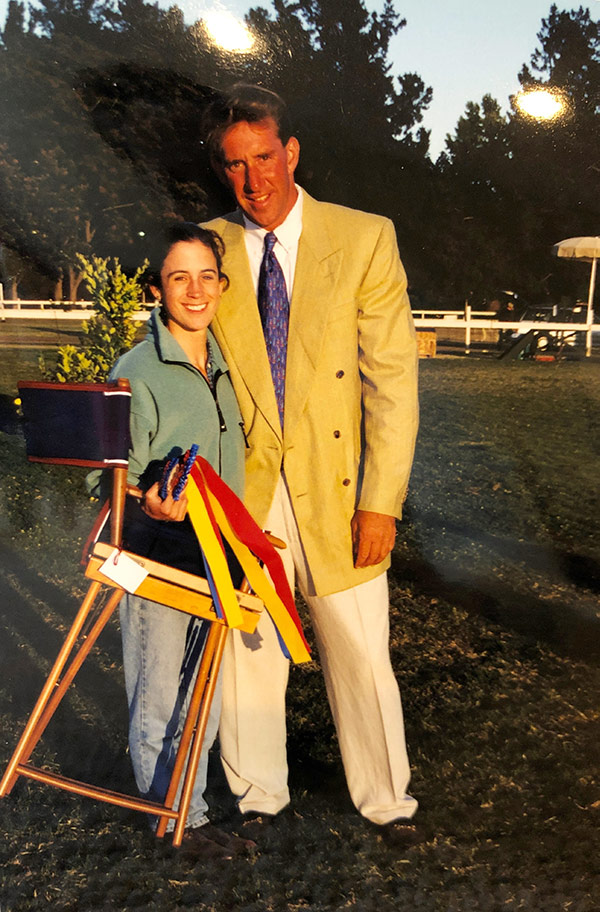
{"x":238,"y":325}
{"x":317,"y":270}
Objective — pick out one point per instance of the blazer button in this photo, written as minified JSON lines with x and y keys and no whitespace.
{"x":340,"y":374}
{"x":346,"y":482}
{"x":337,"y":434}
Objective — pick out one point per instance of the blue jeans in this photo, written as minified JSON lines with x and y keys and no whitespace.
{"x":162,"y":648}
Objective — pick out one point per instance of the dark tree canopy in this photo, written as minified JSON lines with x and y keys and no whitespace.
{"x":517,"y":185}
{"x":101,"y":106}
{"x":62,"y":189}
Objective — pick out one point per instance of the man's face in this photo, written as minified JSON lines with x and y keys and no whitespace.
{"x":260,"y":170}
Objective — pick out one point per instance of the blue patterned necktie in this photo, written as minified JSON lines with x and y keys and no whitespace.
{"x":274,"y":310}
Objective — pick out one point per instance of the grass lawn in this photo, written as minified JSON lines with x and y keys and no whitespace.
{"x":494,"y":631}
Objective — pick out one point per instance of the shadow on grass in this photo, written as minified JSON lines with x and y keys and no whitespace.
{"x":31,"y":589}
{"x":581,"y":570}
{"x":88,"y":733}
{"x":558,"y":622}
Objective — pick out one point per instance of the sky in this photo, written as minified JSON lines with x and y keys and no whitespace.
{"x":463,"y":49}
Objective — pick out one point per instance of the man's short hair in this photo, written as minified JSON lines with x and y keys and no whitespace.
{"x":243,"y":102}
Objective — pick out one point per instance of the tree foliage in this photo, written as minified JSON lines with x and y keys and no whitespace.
{"x":101,"y":104}
{"x":101,"y":107}
{"x":62,"y":189}
{"x":556,"y":162}
{"x":112,"y":329}
{"x":355,"y":120}
{"x":514,"y":185}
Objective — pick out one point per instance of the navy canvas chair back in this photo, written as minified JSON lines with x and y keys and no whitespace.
{"x":83,"y":424}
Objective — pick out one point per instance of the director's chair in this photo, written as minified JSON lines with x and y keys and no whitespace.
{"x":88,"y":425}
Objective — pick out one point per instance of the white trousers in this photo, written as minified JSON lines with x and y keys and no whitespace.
{"x":352,"y":634}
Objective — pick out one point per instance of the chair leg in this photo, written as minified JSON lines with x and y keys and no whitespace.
{"x":193,"y":731}
{"x":66,"y":666}
{"x":41,"y":713}
{"x":197,"y":716}
{"x":78,"y":660}
{"x":192,"y":767}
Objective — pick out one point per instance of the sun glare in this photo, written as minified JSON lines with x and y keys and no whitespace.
{"x":227,"y":31}
{"x":540,"y":104}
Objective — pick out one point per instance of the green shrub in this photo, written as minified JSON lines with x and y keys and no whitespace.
{"x":110,"y":332}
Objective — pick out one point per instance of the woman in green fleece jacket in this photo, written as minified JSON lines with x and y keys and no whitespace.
{"x":181,"y":395}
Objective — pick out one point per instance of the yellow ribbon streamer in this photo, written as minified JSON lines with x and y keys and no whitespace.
{"x":261,"y":584}
{"x":215,"y":557}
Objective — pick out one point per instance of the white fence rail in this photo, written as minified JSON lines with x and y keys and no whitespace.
{"x":468,"y":320}
{"x":54,"y":310}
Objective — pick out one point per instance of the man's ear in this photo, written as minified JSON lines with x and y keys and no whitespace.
{"x":292,"y":149}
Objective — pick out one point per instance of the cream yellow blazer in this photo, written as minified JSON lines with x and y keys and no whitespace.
{"x":351,"y":410}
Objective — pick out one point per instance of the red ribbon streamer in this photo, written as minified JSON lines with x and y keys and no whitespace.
{"x":248,"y":532}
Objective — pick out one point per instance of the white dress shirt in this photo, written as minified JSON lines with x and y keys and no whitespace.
{"x":286,"y":246}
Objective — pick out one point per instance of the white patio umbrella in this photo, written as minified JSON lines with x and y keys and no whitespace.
{"x":588,"y":250}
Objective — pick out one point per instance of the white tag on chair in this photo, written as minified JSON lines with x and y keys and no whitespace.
{"x":123,"y":571}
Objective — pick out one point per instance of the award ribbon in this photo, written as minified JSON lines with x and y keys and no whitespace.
{"x":214,"y":508}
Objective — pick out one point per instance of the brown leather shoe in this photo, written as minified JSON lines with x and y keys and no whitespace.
{"x":400,"y":833}
{"x":196,"y":843}
{"x":253,"y":825}
{"x":236,"y":844}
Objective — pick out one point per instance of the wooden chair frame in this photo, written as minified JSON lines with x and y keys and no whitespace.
{"x":176,"y":589}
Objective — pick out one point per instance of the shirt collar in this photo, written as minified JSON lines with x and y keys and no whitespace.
{"x":169,"y":349}
{"x":288,"y":233}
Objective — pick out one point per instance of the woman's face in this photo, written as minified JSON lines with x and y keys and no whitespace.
{"x":191,"y":287}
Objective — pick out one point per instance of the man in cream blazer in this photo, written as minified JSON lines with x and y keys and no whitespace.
{"x":332,"y":481}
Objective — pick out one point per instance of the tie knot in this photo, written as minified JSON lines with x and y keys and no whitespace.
{"x":270,"y":240}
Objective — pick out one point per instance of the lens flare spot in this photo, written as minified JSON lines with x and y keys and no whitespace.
{"x":228,"y":32}
{"x":541,"y":104}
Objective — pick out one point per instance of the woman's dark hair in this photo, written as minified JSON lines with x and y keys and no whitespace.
{"x":171,"y":234}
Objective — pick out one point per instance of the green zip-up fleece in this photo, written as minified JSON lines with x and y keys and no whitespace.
{"x":173,"y":407}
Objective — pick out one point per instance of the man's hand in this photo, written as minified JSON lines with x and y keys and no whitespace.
{"x":373,"y":536}
{"x":167,"y":509}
